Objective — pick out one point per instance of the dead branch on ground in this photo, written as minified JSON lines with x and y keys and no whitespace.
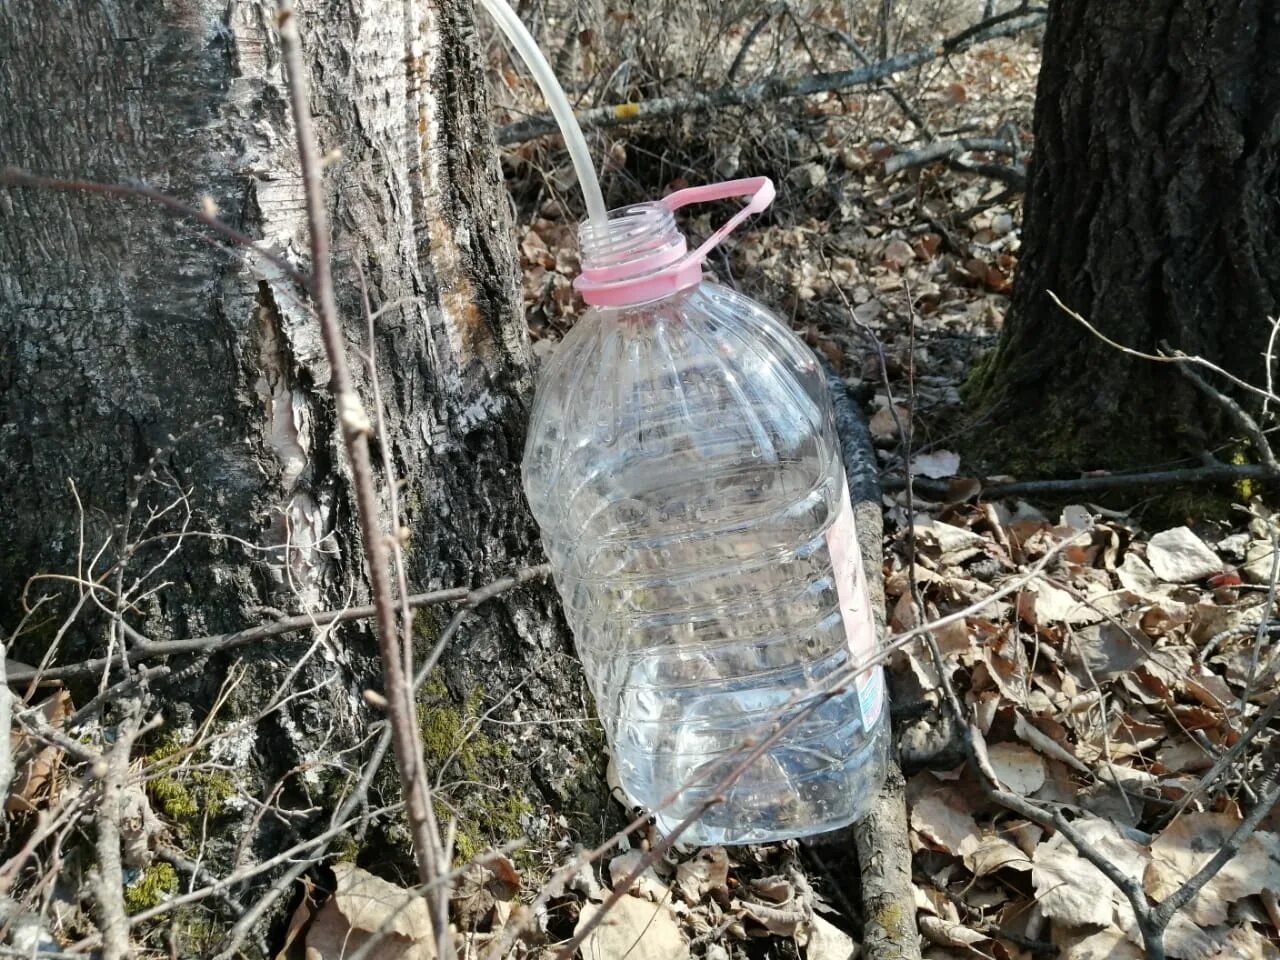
{"x":1216,"y":473}
{"x":769,"y":91}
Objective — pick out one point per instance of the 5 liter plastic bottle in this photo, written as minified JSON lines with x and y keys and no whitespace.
{"x":683,"y":465}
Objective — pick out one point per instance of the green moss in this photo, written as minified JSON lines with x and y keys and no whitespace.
{"x":345,"y":849}
{"x":157,"y":882}
{"x":172,"y":798}
{"x":455,"y":748}
{"x":180,"y":792}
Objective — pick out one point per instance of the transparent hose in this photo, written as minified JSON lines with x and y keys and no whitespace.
{"x":527,"y":47}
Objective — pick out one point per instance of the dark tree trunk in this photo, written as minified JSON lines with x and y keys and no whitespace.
{"x":121,"y":330}
{"x":1152,"y":212}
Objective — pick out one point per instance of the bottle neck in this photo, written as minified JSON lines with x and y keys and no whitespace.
{"x":638,"y":255}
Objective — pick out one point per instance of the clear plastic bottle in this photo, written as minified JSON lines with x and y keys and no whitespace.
{"x":683,"y":464}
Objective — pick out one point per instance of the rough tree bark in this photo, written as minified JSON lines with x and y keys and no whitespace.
{"x":1151,"y":212}
{"x":120,"y":329}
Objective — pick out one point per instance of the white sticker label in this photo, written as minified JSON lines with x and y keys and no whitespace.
{"x":855,"y":607}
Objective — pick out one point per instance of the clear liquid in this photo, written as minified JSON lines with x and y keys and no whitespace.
{"x":684,"y":468}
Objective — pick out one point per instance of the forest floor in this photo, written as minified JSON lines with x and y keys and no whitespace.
{"x":1104,"y":687}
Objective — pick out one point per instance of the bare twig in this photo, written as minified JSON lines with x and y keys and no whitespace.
{"x":113,"y":917}
{"x":1237,"y":413}
{"x":1268,"y":794}
{"x":768,"y":91}
{"x":356,"y":427}
{"x":1267,"y":612}
{"x":13,"y":177}
{"x":1152,"y":921}
{"x":473,"y":600}
{"x":1269,"y":359}
{"x":945,"y":149}
{"x":6,"y":705}
{"x":749,"y":40}
{"x":886,"y":85}
{"x":285,"y":881}
{"x":1175,"y":356}
{"x":143,"y":649}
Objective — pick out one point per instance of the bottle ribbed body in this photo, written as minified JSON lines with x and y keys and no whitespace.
{"x":683,"y":465}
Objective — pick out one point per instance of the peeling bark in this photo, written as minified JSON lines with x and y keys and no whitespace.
{"x":120,"y":329}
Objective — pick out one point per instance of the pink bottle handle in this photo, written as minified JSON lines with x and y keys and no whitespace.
{"x":759,"y":189}
{"x":605,"y":286}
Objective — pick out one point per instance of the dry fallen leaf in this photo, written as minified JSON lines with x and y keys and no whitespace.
{"x":943,"y":825}
{"x":360,"y":906}
{"x":1074,"y":891}
{"x":294,"y":947}
{"x":826,"y":941}
{"x":784,"y":921}
{"x":1179,"y":556}
{"x":646,"y":885}
{"x":994,"y":853}
{"x":1244,"y":942}
{"x":1190,"y":842}
{"x":954,"y":935}
{"x":708,"y":872}
{"x":884,"y":426}
{"x":35,"y":782}
{"x":1018,"y":766}
{"x":1108,"y":944}
{"x":937,"y":465}
{"x":634,"y":929}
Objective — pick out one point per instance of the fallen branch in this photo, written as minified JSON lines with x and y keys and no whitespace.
{"x":1112,"y":481}
{"x":1013,"y":176}
{"x":768,"y":91}
{"x":884,"y":850}
{"x":947,"y":149}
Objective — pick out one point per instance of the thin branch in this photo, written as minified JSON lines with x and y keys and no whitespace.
{"x":1232,"y":753}
{"x":1268,"y":360}
{"x":144,"y":649}
{"x":1267,"y":611}
{"x":284,"y":882}
{"x":13,"y":177}
{"x":749,"y":41}
{"x":356,"y":427}
{"x":6,"y":741}
{"x":1152,"y":921}
{"x":1268,"y":794}
{"x":108,"y":879}
{"x":1175,"y":356}
{"x":768,"y":91}
{"x":886,"y":85}
{"x":1238,"y":415}
{"x":833,"y":686}
{"x":473,"y":600}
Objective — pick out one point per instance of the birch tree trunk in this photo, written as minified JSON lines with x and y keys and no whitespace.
{"x":123,"y":332}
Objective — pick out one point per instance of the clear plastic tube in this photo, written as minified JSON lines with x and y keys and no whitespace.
{"x":545,"y":77}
